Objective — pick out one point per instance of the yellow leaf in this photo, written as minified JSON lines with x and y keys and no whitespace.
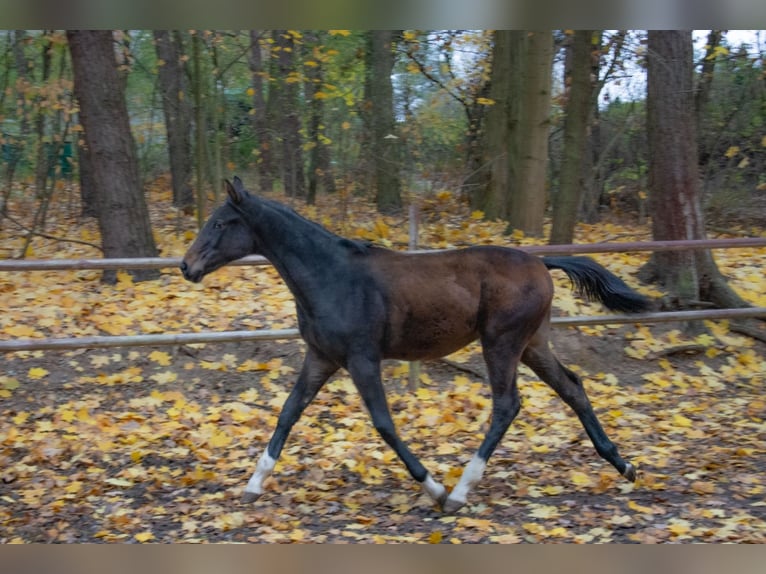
{"x":219,"y":439}
{"x":37,"y":373}
{"x":73,"y":487}
{"x":20,"y":330}
{"x":544,"y":511}
{"x":485,"y":101}
{"x":144,"y":536}
{"x":160,"y":357}
{"x":732,"y":151}
{"x":435,"y":537}
{"x":638,"y":508}
{"x":20,"y":418}
{"x":580,"y":479}
{"x":9,"y":383}
{"x":83,"y":415}
{"x":679,"y":528}
{"x":681,"y":421}
{"x":164,"y":377}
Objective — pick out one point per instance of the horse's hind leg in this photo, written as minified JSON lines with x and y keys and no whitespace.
{"x":539,"y":357}
{"x":314,"y":373}
{"x":502,"y":360}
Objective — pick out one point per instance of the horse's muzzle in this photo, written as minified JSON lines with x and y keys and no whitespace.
{"x":187,"y":273}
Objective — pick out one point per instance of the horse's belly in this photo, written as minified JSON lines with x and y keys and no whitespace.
{"x":428,"y":339}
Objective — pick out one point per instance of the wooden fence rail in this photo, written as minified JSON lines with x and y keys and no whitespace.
{"x":571,"y":249}
{"x":64,"y":343}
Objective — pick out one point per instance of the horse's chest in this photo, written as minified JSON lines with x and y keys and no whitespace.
{"x":338,"y":329}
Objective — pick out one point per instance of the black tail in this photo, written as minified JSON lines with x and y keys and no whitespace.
{"x":595,"y":282}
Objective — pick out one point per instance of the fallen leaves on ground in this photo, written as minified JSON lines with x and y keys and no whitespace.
{"x":155,"y":445}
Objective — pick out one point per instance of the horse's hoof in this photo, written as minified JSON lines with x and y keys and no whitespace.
{"x":249,"y":497}
{"x":451,"y":506}
{"x":629,"y":472}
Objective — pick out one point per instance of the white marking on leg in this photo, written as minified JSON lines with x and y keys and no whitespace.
{"x":262,"y":471}
{"x":435,"y":490}
{"x":471,"y":475}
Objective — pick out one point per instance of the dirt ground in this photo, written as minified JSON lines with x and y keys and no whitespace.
{"x":698,"y":441}
{"x":156,"y":444}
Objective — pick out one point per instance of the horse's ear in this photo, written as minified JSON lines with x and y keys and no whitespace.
{"x":236,"y":191}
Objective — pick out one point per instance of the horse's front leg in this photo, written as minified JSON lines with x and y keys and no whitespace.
{"x":366,"y":376}
{"x":314,"y":373}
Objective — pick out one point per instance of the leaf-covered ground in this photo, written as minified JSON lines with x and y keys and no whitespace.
{"x":156,"y":444}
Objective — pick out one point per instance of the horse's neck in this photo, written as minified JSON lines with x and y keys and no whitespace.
{"x":304,"y":253}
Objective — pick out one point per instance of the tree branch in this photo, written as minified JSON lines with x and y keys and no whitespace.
{"x":32,"y":232}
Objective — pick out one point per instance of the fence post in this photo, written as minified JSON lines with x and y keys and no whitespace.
{"x":414,"y":374}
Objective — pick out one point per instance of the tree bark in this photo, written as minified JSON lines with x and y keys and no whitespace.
{"x":176,"y":105}
{"x":260,"y":117}
{"x":566,"y":203}
{"x":289,"y":125}
{"x":491,"y":192}
{"x":319,"y":168}
{"x":528,"y":189}
{"x":17,"y":145}
{"x":516,"y":132}
{"x":674,"y":187}
{"x":383,"y":144}
{"x":122,"y":213}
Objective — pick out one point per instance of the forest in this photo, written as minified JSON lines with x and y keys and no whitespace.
{"x":116,"y":144}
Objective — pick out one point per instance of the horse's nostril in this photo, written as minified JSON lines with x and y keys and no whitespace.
{"x":184,"y":266}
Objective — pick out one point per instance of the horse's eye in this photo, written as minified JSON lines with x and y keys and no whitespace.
{"x":219,"y":224}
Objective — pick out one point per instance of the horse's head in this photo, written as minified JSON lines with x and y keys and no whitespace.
{"x":226,"y":236}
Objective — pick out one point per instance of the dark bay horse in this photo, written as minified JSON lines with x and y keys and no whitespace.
{"x":358,"y":304}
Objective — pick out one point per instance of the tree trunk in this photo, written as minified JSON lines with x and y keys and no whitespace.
{"x":566,"y":203}
{"x":674,"y":187}
{"x":122,"y":212}
{"x":17,"y":145}
{"x":528,"y":190}
{"x":260,"y":118}
{"x":383,"y":144}
{"x":290,"y":124}
{"x":516,"y":132}
{"x":43,"y":157}
{"x":491,"y":192}
{"x":200,"y":127}
{"x":176,"y":105}
{"x":319,"y":169}
{"x":88,"y":192}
